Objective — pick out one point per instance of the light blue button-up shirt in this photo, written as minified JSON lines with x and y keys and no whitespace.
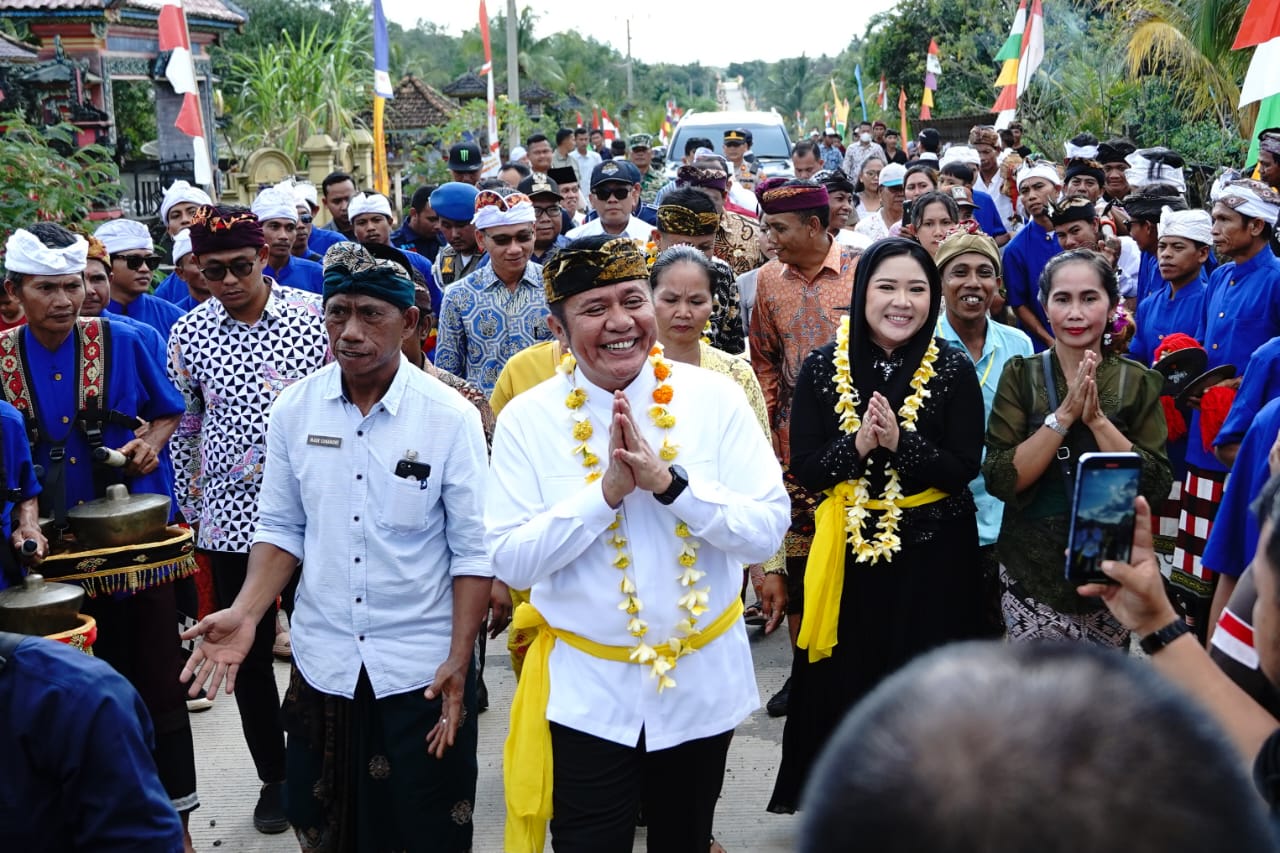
{"x":381,"y":551}
{"x":1003,"y":343}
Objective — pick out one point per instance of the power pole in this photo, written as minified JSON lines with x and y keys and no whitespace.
{"x":629,"y":82}
{"x":513,"y":73}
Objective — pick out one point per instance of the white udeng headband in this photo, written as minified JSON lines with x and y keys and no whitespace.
{"x":25,"y":254}
{"x":1193,"y":224}
{"x":1039,"y":169}
{"x":1244,"y":199}
{"x":362,"y":203}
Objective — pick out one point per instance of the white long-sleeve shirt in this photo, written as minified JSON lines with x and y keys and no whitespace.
{"x":546,"y":528}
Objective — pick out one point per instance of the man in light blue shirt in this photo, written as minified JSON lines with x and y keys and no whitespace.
{"x":373,"y":475}
{"x":970,"y":268}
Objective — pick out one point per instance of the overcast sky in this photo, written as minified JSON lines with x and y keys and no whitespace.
{"x":658,"y":36}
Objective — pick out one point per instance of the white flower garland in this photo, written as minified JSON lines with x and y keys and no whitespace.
{"x":886,"y":542}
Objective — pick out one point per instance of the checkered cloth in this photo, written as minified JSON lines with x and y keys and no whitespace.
{"x":1201,"y":495}
{"x":1165,"y":522}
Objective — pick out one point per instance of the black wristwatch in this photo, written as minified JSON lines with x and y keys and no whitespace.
{"x":1157,"y":640}
{"x":679,"y":482}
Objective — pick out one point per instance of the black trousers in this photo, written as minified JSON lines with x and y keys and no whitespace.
{"x":600,"y":787}
{"x":256,"y":694}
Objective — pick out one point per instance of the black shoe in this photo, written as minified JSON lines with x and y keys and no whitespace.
{"x":268,"y":814}
{"x":777,"y":706}
{"x":482,"y":697}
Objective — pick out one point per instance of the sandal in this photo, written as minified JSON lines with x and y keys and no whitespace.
{"x":754,"y":615}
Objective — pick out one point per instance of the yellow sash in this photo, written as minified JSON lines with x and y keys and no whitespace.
{"x":824,"y":571}
{"x":526,"y":756}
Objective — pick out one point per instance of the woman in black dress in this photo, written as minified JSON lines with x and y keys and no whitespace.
{"x":889,"y":420}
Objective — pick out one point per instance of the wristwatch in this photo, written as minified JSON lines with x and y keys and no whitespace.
{"x":1052,"y":422}
{"x":679,"y":482}
{"x":1157,"y":640}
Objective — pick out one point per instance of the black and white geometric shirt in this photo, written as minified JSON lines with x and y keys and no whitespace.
{"x":230,"y":374}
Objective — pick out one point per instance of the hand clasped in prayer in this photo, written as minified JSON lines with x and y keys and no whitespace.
{"x":632,"y":462}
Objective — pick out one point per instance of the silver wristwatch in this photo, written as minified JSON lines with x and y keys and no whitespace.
{"x":1054,"y":424}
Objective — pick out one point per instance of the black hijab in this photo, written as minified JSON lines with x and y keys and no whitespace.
{"x":865,"y":358}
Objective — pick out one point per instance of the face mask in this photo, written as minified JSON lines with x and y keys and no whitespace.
{"x":866,"y":137}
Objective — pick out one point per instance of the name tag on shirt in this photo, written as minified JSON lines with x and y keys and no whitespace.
{"x":324,"y":441}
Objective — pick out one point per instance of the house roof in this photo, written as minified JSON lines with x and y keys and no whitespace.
{"x":211,"y":10}
{"x":417,"y":105}
{"x":13,"y":50}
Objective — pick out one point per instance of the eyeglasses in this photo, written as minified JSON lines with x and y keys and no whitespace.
{"x":546,"y":212}
{"x":617,"y":193}
{"x":504,"y":240}
{"x":240,"y":268}
{"x":306,"y":219}
{"x":135,"y":262}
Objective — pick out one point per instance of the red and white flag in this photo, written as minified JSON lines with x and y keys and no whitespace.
{"x":882,"y":95}
{"x":493,"y":157}
{"x":181,"y":74}
{"x":606,"y":124}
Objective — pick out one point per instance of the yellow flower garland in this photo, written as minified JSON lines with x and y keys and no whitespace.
{"x":886,"y":542}
{"x":694,"y":601}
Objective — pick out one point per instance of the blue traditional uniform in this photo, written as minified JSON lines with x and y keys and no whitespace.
{"x":1234,"y":539}
{"x":1024,"y":258}
{"x":159,"y":314}
{"x":298,"y":273}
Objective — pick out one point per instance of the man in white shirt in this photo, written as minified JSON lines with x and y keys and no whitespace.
{"x":584,"y":158}
{"x":627,"y":492}
{"x":373,"y":474}
{"x":615,"y":192}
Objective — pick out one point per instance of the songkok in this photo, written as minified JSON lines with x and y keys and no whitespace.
{"x":362,"y":203}
{"x":960,"y":242}
{"x":1247,"y":197}
{"x":454,"y":201}
{"x":561,"y":175}
{"x":835,"y":180}
{"x":306,"y":194}
{"x":124,"y":235}
{"x":703,"y":176}
{"x":1269,"y":141}
{"x":539,"y":184}
{"x":893,"y":175}
{"x":180,"y":192}
{"x":1038,"y":169}
{"x":1074,"y":208}
{"x":984,"y":134}
{"x":1086,"y":168}
{"x":960,"y":154}
{"x":498,"y":207}
{"x":98,"y":252}
{"x":350,"y":268}
{"x":25,"y":253}
{"x":640,"y":140}
{"x":1115,"y":151}
{"x":1146,"y":206}
{"x":275,"y":203}
{"x":572,"y":271}
{"x":217,"y":228}
{"x":678,"y":219}
{"x":182,"y":245}
{"x":1155,"y":166}
{"x":781,"y":195}
{"x":1080,"y":152}
{"x":1192,"y":224}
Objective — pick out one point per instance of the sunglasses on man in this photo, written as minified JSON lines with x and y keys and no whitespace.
{"x":616,"y":193}
{"x":240,"y":268}
{"x":135,"y":262}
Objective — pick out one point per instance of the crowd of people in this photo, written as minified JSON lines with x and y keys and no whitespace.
{"x":626,"y":419}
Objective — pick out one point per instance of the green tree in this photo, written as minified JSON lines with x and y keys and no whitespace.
{"x":46,"y":176}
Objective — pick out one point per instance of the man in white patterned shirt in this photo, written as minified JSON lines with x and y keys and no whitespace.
{"x":373,"y":475}
{"x":231,"y":357}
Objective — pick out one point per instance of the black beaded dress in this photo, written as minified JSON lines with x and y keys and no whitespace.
{"x":928,"y":593}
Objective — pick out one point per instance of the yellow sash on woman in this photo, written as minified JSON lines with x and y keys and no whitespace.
{"x":526,"y":756}
{"x":824,"y":570}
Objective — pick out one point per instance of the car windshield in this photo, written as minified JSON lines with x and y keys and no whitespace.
{"x":767,"y":140}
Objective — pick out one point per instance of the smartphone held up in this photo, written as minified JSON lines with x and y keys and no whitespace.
{"x":1102,"y":514}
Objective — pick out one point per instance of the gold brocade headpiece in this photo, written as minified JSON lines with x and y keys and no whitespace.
{"x":677,"y":219}
{"x":572,"y":271}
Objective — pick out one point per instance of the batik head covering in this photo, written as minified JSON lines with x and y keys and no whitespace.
{"x":363,"y":203}
{"x":703,"y":176}
{"x":1269,"y":141}
{"x":1247,"y":197}
{"x":502,"y":206}
{"x":984,"y":134}
{"x":591,"y":262}
{"x":835,"y":180}
{"x":960,"y":242}
{"x":1076,"y":208}
{"x":26,"y":254}
{"x":180,"y":192}
{"x":1155,"y":166}
{"x":678,"y":219}
{"x":98,"y":252}
{"x":217,"y":228}
{"x":1194,"y":225}
{"x":124,"y":235}
{"x":783,"y":195}
{"x":350,"y":268}
{"x":275,"y":203}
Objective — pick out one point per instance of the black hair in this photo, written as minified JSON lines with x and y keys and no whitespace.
{"x":494,"y":183}
{"x":807,"y":147}
{"x":562,"y":134}
{"x":334,"y":178}
{"x":680,"y":255}
{"x":1100,"y":265}
{"x":535,"y":137}
{"x":524,"y":170}
{"x":696,"y":142}
{"x":962,"y":172}
{"x":922,"y":202}
{"x":857,"y":179}
{"x":422,"y":197}
{"x":579,"y":129}
{"x":922,"y":168}
{"x":1084,"y":139}
{"x":1145,"y":203}
{"x":618,"y":147}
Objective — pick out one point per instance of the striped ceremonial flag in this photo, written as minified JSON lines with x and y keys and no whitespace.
{"x":382,"y":91}
{"x":181,"y":74}
{"x":902,"y":115}
{"x":1260,"y":29}
{"x":493,"y":158}
{"x":932,"y":68}
{"x":862,"y":101}
{"x":882,"y":95}
{"x":1032,"y":47}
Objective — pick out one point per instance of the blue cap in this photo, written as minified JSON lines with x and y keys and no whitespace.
{"x":619,"y":171}
{"x":455,"y":200}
